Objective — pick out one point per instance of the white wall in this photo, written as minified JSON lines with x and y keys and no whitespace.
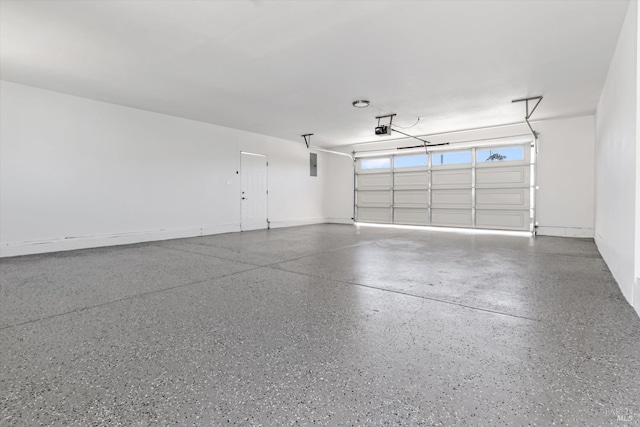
{"x":339,"y":190}
{"x":616,"y":166}
{"x":565,"y":200}
{"x":636,"y":289}
{"x":78,"y":173}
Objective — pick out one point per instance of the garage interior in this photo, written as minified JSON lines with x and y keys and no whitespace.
{"x":316,"y":212}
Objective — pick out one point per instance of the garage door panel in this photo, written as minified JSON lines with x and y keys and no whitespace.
{"x":501,"y":177}
{"x":491,"y":191}
{"x":502,"y":219}
{"x":502,"y":198}
{"x":411,"y":198}
{"x":411,"y":216}
{"x":374,"y":198}
{"x":451,"y":178}
{"x":411,"y":180}
{"x":451,"y":217}
{"x":451,"y":199}
{"x":380,"y":181}
{"x":379,"y":215}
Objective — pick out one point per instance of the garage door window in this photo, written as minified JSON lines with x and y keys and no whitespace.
{"x":500,"y":154}
{"x":377,"y":163}
{"x":411,"y":161}
{"x":451,"y":158}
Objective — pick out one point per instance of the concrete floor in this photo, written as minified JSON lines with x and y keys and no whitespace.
{"x":326,"y":324}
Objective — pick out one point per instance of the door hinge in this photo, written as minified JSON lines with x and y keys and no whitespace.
{"x":267,"y":163}
{"x":267,"y":191}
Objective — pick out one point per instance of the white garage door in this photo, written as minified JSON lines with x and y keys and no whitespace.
{"x":484,"y":187}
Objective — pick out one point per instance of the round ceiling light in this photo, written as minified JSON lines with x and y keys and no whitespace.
{"x":360,"y":103}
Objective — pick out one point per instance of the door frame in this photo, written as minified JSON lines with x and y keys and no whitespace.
{"x":266,"y":183}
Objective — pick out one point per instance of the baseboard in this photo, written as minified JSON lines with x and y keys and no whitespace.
{"x":636,"y":295}
{"x":565,"y":231}
{"x":340,"y":221}
{"x":9,"y":249}
{"x":296,"y":222}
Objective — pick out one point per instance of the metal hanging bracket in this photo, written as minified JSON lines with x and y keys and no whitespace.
{"x":391,"y":116}
{"x":530,"y":113}
{"x":307,"y":139}
{"x":526,"y":100}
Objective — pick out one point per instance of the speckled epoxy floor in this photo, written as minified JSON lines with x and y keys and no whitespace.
{"x":326,"y":324}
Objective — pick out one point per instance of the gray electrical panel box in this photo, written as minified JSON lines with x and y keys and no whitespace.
{"x":313,"y":163}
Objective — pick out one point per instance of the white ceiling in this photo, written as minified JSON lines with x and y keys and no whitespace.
{"x":283,"y":68}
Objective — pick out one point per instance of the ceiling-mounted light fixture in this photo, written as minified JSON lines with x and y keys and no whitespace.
{"x":360,"y":103}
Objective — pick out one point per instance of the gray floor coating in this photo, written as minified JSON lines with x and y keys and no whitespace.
{"x":325,"y":324}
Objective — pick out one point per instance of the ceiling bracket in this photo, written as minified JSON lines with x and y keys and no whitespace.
{"x":526,"y":101}
{"x":530,"y":113}
{"x":391,"y":116}
{"x":307,"y":139}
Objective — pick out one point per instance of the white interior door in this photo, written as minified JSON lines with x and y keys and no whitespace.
{"x":253,"y":170}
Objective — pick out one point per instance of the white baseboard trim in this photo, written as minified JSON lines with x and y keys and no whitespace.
{"x":565,"y":231}
{"x":340,"y":221}
{"x":636,"y":295}
{"x":296,"y":222}
{"x":9,"y":249}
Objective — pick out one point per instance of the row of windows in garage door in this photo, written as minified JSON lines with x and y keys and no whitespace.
{"x":443,"y":158}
